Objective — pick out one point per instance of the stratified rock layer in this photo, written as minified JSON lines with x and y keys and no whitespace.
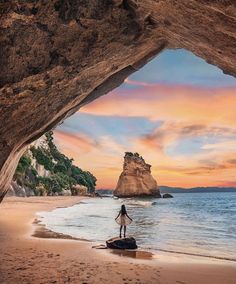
{"x":136,"y":178}
{"x":59,"y":55}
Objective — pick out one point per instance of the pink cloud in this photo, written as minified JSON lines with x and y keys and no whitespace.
{"x":70,"y":140}
{"x":165,"y":102}
{"x":185,"y":111}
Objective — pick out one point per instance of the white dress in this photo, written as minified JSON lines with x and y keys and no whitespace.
{"x":123,"y":220}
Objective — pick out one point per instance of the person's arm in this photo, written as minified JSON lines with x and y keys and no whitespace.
{"x":129,"y":217}
{"x":117,"y":216}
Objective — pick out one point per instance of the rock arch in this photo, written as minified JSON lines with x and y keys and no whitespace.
{"x":59,"y":55}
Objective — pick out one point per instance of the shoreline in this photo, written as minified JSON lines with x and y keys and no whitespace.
{"x":41,"y":231}
{"x":28,"y":259}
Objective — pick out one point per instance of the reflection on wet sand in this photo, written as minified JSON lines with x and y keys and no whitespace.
{"x":138,"y":254}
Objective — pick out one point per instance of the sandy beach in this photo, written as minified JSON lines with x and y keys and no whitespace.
{"x":28,"y":259}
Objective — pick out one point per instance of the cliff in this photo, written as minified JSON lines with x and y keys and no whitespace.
{"x":59,"y":55}
{"x":136,"y":178}
{"x":44,"y":170}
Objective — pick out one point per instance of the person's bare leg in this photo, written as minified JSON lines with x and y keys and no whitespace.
{"x":124,"y":231}
{"x":120,"y":231}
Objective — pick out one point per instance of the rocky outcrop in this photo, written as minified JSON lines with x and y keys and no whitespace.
{"x":125,"y":243}
{"x":59,"y":55}
{"x":19,"y":190}
{"x":66,"y":192}
{"x":167,"y":195}
{"x":79,"y":189}
{"x":136,"y":178}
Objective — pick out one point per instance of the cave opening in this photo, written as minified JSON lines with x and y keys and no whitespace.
{"x":177,"y":112}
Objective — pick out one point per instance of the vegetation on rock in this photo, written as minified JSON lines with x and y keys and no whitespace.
{"x":61,"y":173}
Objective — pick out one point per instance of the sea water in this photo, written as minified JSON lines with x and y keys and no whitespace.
{"x":201,"y":224}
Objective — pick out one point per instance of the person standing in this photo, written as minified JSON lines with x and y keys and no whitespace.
{"x":123,"y":219}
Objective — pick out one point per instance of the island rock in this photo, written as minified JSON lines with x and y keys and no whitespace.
{"x":136,"y":178}
{"x":167,"y":195}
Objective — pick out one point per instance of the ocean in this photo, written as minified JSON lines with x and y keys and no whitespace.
{"x":201,"y":224}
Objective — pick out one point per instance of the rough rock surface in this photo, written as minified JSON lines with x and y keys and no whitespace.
{"x":80,"y":189}
{"x":136,"y":178}
{"x":59,"y":55}
{"x":124,"y":243}
{"x":18,"y":190}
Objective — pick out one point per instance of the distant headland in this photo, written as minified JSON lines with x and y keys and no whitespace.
{"x":206,"y":189}
{"x":169,"y":189}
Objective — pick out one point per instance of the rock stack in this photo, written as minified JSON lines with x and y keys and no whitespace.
{"x":136,"y":178}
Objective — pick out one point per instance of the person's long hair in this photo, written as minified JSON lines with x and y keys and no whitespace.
{"x":123,"y":210}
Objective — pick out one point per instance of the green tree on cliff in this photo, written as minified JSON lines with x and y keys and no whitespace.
{"x":63,"y":175}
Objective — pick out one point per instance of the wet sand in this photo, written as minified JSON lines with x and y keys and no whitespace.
{"x":53,"y":258}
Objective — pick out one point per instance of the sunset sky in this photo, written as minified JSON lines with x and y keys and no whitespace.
{"x":178,"y":112}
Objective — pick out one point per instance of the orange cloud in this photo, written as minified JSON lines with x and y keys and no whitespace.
{"x":186,"y":171}
{"x":185,"y":112}
{"x":228,"y":184}
{"x":98,"y":158}
{"x":205,"y":169}
{"x":170,"y":132}
{"x":214,"y":106}
{"x":74,"y":141}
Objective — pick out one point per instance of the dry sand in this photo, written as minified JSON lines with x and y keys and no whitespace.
{"x":27,"y":259}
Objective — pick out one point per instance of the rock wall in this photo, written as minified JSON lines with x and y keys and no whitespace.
{"x":18,"y":190}
{"x":44,"y":170}
{"x":41,"y":142}
{"x":59,"y":55}
{"x":136,"y":178}
{"x":21,"y":190}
